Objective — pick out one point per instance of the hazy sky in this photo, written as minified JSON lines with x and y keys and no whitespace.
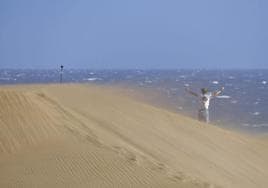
{"x":134,"y":33}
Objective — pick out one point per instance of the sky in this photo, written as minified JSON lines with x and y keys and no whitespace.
{"x":134,"y":34}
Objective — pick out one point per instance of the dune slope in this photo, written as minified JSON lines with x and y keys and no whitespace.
{"x":91,"y":136}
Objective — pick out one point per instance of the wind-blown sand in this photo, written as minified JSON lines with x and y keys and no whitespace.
{"x":92,"y":136}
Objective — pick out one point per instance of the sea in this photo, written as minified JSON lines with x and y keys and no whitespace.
{"x":242,"y":106}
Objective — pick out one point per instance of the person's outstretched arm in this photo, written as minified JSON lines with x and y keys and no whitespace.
{"x":191,"y":92}
{"x":216,"y":93}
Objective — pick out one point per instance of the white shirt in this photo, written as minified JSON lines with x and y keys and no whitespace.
{"x":205,"y":100}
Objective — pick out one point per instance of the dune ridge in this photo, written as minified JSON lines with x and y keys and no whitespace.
{"x":92,"y":136}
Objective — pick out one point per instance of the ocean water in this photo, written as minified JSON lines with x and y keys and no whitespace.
{"x":243,"y":104}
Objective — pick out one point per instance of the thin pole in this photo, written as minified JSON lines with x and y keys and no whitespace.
{"x":61,"y":73}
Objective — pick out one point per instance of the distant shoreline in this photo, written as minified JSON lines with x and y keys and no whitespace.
{"x":244,"y":109}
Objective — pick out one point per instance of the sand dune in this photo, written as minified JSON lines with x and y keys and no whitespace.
{"x":93,"y":136}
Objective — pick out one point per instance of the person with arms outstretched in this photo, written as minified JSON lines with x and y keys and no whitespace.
{"x":204,"y":97}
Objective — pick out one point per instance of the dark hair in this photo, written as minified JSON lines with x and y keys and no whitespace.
{"x":204,"y":90}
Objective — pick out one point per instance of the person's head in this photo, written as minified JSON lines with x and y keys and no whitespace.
{"x":204,"y":90}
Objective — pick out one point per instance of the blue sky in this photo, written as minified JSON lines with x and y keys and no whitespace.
{"x":126,"y":34}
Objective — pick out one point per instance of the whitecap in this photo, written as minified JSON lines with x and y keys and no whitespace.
{"x":215,"y":82}
{"x":91,"y":79}
{"x":148,"y":81}
{"x":224,"y":97}
{"x":5,"y":78}
{"x":139,"y":72}
{"x":264,"y":82}
{"x":259,"y":125}
{"x":20,"y":75}
{"x":141,"y":84}
{"x":256,"y":113}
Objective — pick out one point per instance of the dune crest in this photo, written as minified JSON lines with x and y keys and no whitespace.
{"x":92,"y":136}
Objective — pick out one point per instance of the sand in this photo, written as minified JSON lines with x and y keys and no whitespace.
{"x":93,"y":136}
